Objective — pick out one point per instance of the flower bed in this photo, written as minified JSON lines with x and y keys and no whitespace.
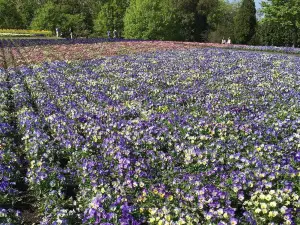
{"x":198,"y":136}
{"x":20,"y":32}
{"x":70,"y":50}
{"x":10,"y":174}
{"x":286,"y":50}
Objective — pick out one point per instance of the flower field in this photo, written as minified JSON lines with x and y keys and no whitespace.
{"x":186,"y":136}
{"x":24,"y":52}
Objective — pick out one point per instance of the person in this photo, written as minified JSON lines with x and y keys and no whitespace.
{"x":71,"y":32}
{"x":57,"y":32}
{"x":115,"y":33}
{"x":223,"y":40}
{"x":229,"y":41}
{"x":108,"y":34}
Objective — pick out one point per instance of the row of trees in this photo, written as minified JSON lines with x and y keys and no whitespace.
{"x":188,"y":20}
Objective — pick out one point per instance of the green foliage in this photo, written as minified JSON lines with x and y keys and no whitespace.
{"x":193,"y":18}
{"x":152,"y":19}
{"x":187,"y":12}
{"x":221,"y":22}
{"x":27,"y":9}
{"x":245,"y":22}
{"x":283,"y":13}
{"x":185,"y":20}
{"x":111,"y":17}
{"x":65,"y":17}
{"x":271,"y":33}
{"x":10,"y":17}
{"x":46,"y":17}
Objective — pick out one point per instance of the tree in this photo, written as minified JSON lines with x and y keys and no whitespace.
{"x":205,"y":8}
{"x":152,"y":19}
{"x":221,"y":21}
{"x":26,"y":9}
{"x":284,"y":13}
{"x":111,"y":17}
{"x":65,"y":16}
{"x":47,"y":17}
{"x":270,"y":33}
{"x":245,"y":22}
{"x":193,"y":18}
{"x":10,"y":17}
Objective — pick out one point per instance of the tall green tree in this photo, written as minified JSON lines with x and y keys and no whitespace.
{"x":193,"y":18}
{"x":245,"y":22}
{"x":152,"y":19}
{"x":26,"y":9}
{"x":285,"y":13}
{"x":111,"y":17}
{"x":221,"y":21}
{"x":270,"y":33}
{"x":47,"y":17}
{"x":9,"y":15}
{"x":205,"y":9}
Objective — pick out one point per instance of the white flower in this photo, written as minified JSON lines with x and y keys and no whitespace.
{"x":283,"y":209}
{"x":263,"y":205}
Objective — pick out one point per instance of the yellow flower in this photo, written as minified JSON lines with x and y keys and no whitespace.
{"x":153,"y":211}
{"x":220,"y":212}
{"x":181,"y":221}
{"x":142,"y":184}
{"x":262,"y":196}
{"x":273,"y":204}
{"x":151,"y":220}
{"x":263,"y":205}
{"x":264,"y":211}
{"x":273,"y":214}
{"x":208,"y":217}
{"x":268,"y":197}
{"x":32,"y":164}
{"x":161,"y":195}
{"x":235,"y":189}
{"x":257,"y":210}
{"x":170,"y":198}
{"x":168,"y":218}
{"x":160,"y":222}
{"x":295,"y":196}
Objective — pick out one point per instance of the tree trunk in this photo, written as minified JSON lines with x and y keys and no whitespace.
{"x":295,"y":36}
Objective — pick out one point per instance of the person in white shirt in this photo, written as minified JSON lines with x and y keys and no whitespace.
{"x":229,"y":41}
{"x":223,"y":41}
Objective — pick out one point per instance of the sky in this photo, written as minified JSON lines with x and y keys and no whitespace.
{"x":257,"y":3}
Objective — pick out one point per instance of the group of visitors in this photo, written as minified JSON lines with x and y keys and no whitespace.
{"x":226,"y":42}
{"x":58,"y":33}
{"x":115,"y":33}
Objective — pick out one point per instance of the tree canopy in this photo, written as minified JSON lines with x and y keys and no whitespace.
{"x":184,"y":20}
{"x":152,"y":19}
{"x":245,"y":22}
{"x":284,"y":13}
{"x":10,"y":17}
{"x":111,"y":17}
